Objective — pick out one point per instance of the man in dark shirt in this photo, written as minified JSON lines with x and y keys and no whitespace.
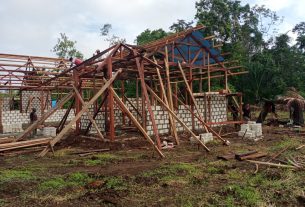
{"x":269,"y":107}
{"x":246,"y":112}
{"x":295,"y":107}
{"x":33,"y":118}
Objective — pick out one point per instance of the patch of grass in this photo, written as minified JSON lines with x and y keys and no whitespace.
{"x":229,"y":201}
{"x":116,"y":183}
{"x":53,"y":184}
{"x":79,"y":178}
{"x":9,"y":175}
{"x":214,"y":170}
{"x":2,"y":202}
{"x":246,"y":195}
{"x":288,"y":142}
{"x":235,"y":174}
{"x":278,"y":186}
{"x":76,"y":179}
{"x":101,"y":159}
{"x":175,"y":173}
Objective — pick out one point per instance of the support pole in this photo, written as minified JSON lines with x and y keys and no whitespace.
{"x":78,"y":105}
{"x":135,"y":121}
{"x":110,"y":104}
{"x":45,"y":116}
{"x":89,"y":114}
{"x":144,"y":91}
{"x":77,"y":116}
{"x":176,"y":117}
{"x":172,"y":122}
{"x":191,"y":94}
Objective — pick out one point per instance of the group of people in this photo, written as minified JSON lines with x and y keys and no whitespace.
{"x":294,"y":105}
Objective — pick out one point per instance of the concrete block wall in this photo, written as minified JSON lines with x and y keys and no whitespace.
{"x":133,"y":111}
{"x":100,"y":119}
{"x":216,"y":113}
{"x":12,"y":120}
{"x":16,"y":118}
{"x":218,"y":110}
{"x":36,"y":103}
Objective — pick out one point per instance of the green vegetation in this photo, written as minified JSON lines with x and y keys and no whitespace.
{"x":101,"y":159}
{"x":173,"y":172}
{"x":250,"y":34}
{"x":245,"y":195}
{"x":2,"y":202}
{"x":15,"y":175}
{"x":116,"y":183}
{"x":76,"y":179}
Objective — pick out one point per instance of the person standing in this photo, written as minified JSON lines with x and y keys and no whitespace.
{"x":295,"y":107}
{"x":246,"y":112}
{"x":33,"y":118}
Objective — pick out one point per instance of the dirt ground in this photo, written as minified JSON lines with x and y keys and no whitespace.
{"x":131,"y":174}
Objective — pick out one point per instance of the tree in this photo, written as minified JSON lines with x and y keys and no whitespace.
{"x":149,"y":36}
{"x":181,"y":25}
{"x":65,"y":48}
{"x":112,"y":39}
{"x":300,"y":30}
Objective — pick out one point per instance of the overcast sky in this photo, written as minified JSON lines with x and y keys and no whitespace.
{"x":31,"y":27}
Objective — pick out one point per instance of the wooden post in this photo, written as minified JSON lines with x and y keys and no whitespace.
{"x":45,"y":116}
{"x":123,"y":99}
{"x":144,"y":91}
{"x":137,"y":96}
{"x":176,"y":117}
{"x":110,"y":103}
{"x":78,"y":105}
{"x":209,"y":74}
{"x":191,"y":94}
{"x":135,"y":121}
{"x":89,"y":114}
{"x":169,"y":99}
{"x":78,"y":115}
{"x":172,"y":122}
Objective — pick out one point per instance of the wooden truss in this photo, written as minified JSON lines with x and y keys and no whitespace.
{"x":159,"y":67}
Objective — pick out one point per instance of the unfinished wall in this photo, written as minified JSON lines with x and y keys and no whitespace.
{"x":12,"y":120}
{"x":100,"y":119}
{"x":32,"y":99}
{"x":216,"y":112}
{"x":216,"y":106}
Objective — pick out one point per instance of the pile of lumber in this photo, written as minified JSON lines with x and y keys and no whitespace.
{"x":24,"y":144}
{"x":6,"y":140}
{"x":243,"y":156}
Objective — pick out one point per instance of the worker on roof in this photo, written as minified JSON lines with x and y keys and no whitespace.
{"x":75,"y":61}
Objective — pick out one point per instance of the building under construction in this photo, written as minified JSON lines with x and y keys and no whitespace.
{"x":173,"y":79}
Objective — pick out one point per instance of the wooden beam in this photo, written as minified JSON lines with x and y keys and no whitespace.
{"x":89,"y":114}
{"x":177,"y":118}
{"x":77,"y":116}
{"x":140,"y":67}
{"x":169,"y":99}
{"x":135,"y":121}
{"x":45,"y":116}
{"x":191,"y":94}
